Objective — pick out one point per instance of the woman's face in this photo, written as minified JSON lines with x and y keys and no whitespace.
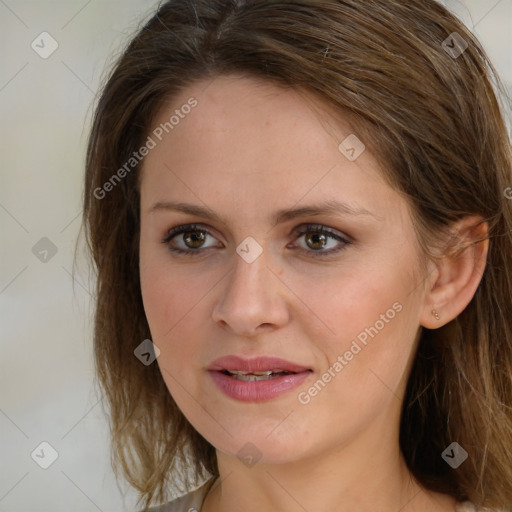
{"x":261,"y":282}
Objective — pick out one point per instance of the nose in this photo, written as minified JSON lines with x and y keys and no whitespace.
{"x":252,"y":299}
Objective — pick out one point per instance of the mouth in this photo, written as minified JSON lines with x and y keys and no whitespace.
{"x":258,"y":379}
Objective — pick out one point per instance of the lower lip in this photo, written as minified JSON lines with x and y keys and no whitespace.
{"x":257,"y":391}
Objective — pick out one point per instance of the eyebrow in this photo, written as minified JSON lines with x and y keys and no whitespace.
{"x":280,"y":216}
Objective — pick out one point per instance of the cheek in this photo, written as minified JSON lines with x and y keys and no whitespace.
{"x":168,"y":292}
{"x":369,"y":318}
{"x":169,"y":298}
{"x":346,"y":303}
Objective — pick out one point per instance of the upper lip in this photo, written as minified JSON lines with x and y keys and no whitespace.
{"x":255,"y":364}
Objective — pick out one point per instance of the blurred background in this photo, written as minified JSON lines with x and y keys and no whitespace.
{"x":54,"y":450}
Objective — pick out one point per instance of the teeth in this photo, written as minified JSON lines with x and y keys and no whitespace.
{"x":240,"y":372}
{"x":256,"y":376}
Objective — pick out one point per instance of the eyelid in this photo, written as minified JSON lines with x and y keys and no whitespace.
{"x":319,"y":227}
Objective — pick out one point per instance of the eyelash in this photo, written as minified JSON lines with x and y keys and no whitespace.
{"x":309,"y":228}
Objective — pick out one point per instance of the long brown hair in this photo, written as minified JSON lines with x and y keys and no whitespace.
{"x":426,"y":106}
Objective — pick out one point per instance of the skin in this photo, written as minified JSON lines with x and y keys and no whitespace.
{"x":248,"y":149}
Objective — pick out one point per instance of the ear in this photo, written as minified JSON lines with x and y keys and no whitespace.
{"x":457,"y":274}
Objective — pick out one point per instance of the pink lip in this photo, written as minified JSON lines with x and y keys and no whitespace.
{"x":256,"y":364}
{"x":256,"y":391}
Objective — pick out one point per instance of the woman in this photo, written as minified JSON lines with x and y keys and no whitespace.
{"x":299,"y":217}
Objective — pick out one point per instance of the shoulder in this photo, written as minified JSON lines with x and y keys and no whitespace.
{"x":190,"y":502}
{"x":468,"y":506}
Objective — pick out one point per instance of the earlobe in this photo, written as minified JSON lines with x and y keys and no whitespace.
{"x":459,"y":272}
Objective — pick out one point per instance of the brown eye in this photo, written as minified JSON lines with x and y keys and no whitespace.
{"x":317,"y":238}
{"x":194,"y":239}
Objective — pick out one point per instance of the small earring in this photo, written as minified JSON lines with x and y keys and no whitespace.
{"x":434,"y":312}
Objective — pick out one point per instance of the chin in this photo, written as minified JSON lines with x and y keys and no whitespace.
{"x":256,"y":445}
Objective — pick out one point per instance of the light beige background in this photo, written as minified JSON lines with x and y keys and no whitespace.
{"x":46,"y":369}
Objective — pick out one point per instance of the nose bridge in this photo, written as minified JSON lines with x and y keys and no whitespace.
{"x":250,"y":273}
{"x":249,"y":296}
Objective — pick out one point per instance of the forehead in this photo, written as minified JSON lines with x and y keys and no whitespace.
{"x":257,"y":144}
{"x":240,"y":113}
